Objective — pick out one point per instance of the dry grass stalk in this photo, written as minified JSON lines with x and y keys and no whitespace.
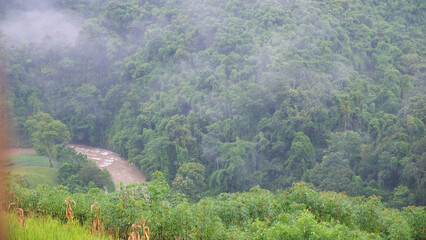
{"x":96,"y":226}
{"x":10,"y":205}
{"x":21,"y":218}
{"x":144,"y":230}
{"x":69,"y":209}
{"x":20,"y":213}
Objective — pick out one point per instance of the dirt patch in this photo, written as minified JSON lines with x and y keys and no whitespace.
{"x":11,"y":152}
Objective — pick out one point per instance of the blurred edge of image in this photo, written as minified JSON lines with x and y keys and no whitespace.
{"x":5,"y":136}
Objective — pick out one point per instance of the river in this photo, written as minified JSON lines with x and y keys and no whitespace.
{"x":120,"y":169}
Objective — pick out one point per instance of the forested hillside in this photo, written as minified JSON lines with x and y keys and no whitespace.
{"x":222,"y":96}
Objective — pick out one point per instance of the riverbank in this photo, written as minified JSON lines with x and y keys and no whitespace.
{"x":119,"y":168}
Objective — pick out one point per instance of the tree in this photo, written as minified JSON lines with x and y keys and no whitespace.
{"x":333,"y":174}
{"x":118,"y":16}
{"x":234,"y":164}
{"x":349,"y":144}
{"x":190,"y":180}
{"x":302,"y":156}
{"x":46,"y":133}
{"x":402,"y":196}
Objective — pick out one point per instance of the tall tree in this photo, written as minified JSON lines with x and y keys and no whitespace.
{"x":302,"y":156}
{"x":46,"y":133}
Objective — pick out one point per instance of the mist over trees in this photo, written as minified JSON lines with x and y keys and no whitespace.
{"x":227,"y":95}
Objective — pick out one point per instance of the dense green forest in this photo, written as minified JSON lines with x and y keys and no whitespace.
{"x":222,"y":96}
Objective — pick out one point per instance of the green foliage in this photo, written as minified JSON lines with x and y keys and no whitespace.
{"x":35,"y":176}
{"x":416,"y":218}
{"x":298,"y":212}
{"x":189,"y":180}
{"x":34,"y":170}
{"x":302,"y":154}
{"x":402,"y":197}
{"x":79,"y":174}
{"x":46,"y":133}
{"x":258,"y":92}
{"x":46,"y":228}
{"x":26,"y":159}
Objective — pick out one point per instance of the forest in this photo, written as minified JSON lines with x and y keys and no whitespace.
{"x":225,"y":96}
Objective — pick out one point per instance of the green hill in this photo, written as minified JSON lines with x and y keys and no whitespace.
{"x":222,"y":96}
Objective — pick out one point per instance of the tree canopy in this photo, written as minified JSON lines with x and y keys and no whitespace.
{"x":259,"y":92}
{"x":46,"y":133}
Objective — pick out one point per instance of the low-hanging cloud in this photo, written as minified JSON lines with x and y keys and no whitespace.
{"x":35,"y":25}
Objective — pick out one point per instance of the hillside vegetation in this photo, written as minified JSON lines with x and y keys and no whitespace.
{"x":222,"y":96}
{"x":295,"y":213}
{"x":71,"y":169}
{"x":46,"y":228}
{"x":33,"y":169}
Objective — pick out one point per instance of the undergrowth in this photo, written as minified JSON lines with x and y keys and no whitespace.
{"x":45,"y":227}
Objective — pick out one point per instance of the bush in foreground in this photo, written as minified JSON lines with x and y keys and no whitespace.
{"x":298,"y":212}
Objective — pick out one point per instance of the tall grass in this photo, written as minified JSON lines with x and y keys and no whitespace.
{"x":47,"y":228}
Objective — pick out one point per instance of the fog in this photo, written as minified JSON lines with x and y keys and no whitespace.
{"x":252,"y":90}
{"x":39,"y":24}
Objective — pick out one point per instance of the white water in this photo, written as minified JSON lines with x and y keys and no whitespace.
{"x":120,"y":169}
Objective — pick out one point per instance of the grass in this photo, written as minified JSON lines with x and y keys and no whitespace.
{"x":26,"y":159}
{"x":35,"y":169}
{"x":37,"y":175}
{"x":47,"y":228}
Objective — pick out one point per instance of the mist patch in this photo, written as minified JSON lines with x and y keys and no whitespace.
{"x":37,"y":25}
